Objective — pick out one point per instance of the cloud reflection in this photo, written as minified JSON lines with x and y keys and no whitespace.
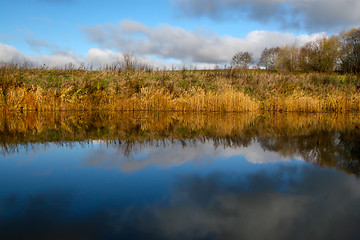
{"x":310,"y":204}
{"x":175,"y":153}
{"x":292,"y":202}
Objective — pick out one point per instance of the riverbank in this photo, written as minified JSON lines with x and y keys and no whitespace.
{"x":228,"y":90}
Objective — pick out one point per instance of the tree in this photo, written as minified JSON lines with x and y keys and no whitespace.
{"x":242,"y":59}
{"x":269,"y":57}
{"x":350,"y":51}
{"x":320,"y":55}
{"x":288,"y":57}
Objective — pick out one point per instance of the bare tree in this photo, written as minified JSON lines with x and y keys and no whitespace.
{"x":242,"y":59}
{"x":350,"y":51}
{"x":288,"y":58}
{"x":269,"y":57}
{"x":320,"y":55}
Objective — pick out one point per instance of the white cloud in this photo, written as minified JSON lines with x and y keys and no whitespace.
{"x":57,"y":60}
{"x":10,"y":54}
{"x":102,"y":57}
{"x":95,"y":57}
{"x":197,"y":46}
{"x":163,"y":46}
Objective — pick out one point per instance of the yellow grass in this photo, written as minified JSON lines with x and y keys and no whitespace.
{"x":195,"y":91}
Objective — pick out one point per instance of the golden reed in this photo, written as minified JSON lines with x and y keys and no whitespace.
{"x":195,"y":91}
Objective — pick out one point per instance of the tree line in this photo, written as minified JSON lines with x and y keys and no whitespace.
{"x":340,"y":53}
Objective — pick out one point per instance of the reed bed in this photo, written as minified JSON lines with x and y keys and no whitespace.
{"x":226,"y":90}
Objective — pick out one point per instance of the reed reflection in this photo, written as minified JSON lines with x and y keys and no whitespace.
{"x":323,"y":139}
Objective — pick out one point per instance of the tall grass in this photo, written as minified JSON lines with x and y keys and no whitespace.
{"x":219,"y":90}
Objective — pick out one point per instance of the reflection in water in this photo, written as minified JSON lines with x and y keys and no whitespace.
{"x":323,"y":139}
{"x":290,"y":202}
{"x":46,"y":216}
{"x":260,"y":206}
{"x":172,"y":153}
{"x":59,"y":176}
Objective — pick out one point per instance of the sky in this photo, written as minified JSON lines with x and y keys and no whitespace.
{"x":163,"y":33}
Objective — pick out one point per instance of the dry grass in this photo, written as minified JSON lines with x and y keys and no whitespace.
{"x":210,"y":91}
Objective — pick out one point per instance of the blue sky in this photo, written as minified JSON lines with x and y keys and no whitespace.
{"x":163,"y":32}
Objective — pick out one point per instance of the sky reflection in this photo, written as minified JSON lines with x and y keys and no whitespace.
{"x":270,"y":201}
{"x":139,"y":180}
{"x":173,"y":153}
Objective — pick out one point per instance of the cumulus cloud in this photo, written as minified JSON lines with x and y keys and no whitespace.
{"x":197,"y":46}
{"x":102,"y":57}
{"x":162,"y":46}
{"x":312,"y":15}
{"x":95,"y":57}
{"x":10,"y":54}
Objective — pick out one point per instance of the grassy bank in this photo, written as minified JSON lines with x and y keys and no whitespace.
{"x":211,"y":91}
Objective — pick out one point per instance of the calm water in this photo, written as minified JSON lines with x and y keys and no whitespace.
{"x":174,"y":176}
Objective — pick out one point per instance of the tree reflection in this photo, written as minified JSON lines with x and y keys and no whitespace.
{"x":323,"y":139}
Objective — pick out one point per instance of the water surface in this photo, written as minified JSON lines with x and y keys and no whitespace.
{"x":69,"y":175}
